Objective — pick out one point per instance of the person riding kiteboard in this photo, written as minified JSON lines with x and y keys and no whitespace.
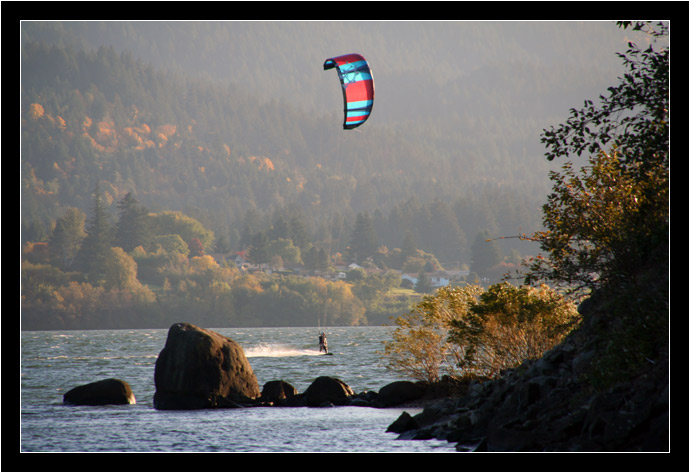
{"x":323,"y":343}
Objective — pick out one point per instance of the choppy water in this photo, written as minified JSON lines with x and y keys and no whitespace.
{"x":54,"y":362}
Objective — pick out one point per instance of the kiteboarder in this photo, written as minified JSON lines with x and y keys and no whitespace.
{"x":323,"y":343}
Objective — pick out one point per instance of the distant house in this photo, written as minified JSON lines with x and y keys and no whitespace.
{"x":240,"y":259}
{"x":437,"y":278}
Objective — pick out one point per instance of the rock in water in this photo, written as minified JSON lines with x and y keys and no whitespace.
{"x":107,"y":391}
{"x":277,"y":391}
{"x":404,"y":423}
{"x":399,"y":392}
{"x":201,"y":369}
{"x":326,"y":389}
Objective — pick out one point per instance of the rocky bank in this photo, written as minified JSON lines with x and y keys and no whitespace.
{"x":551,"y":404}
{"x":545,"y":406}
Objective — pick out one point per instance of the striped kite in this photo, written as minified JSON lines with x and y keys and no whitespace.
{"x":358,"y":87}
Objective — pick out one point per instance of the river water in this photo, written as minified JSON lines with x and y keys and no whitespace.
{"x":54,"y":362}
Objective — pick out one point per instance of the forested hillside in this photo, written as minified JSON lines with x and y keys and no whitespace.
{"x":234,"y":129}
{"x":224,"y":118}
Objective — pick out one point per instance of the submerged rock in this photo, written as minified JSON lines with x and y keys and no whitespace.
{"x":200,"y":369}
{"x":99,"y":393}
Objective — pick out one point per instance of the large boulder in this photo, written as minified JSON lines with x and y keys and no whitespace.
{"x":99,"y":393}
{"x":201,"y":369}
{"x":399,"y":392}
{"x":326,"y":390}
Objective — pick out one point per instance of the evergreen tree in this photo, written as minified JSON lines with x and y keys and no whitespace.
{"x":133,"y":226}
{"x":409,"y":247}
{"x":321,"y":260}
{"x":310,"y":259}
{"x":66,"y":238}
{"x":246,"y":237}
{"x":298,"y":233}
{"x":259,"y":248}
{"x":252,"y":224}
{"x":98,"y":240}
{"x":316,"y":259}
{"x":281,"y":229}
{"x":423,"y":285}
{"x":363,"y":240}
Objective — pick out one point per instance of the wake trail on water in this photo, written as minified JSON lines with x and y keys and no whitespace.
{"x":277,"y":351}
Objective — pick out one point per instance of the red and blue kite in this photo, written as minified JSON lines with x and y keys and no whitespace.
{"x":358,"y":87}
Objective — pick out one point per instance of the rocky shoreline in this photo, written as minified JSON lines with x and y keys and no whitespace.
{"x":544,"y":405}
{"x":564,"y":401}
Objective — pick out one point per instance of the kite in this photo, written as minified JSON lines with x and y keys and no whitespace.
{"x":358,"y":87}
